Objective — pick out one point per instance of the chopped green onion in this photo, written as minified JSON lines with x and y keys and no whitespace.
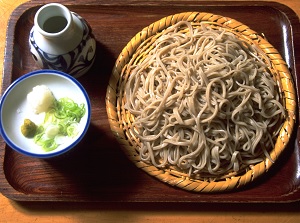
{"x":60,"y":122}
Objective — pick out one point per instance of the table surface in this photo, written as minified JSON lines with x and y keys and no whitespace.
{"x":11,"y":211}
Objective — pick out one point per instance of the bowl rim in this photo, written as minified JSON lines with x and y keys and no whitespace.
{"x":38,"y":73}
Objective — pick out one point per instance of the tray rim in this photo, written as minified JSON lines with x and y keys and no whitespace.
{"x":7,"y":190}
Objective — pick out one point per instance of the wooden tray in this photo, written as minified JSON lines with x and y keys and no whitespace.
{"x":98,"y":170}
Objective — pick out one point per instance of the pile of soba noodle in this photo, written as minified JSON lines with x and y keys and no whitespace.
{"x":204,"y":102}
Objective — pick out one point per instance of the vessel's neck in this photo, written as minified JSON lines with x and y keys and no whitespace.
{"x":53,"y":20}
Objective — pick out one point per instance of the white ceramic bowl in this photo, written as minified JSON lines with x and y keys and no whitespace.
{"x":14,"y":108}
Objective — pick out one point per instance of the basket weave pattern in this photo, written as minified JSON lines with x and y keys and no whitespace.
{"x":120,"y":120}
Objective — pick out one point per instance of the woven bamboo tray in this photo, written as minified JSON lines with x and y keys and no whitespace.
{"x":120,"y":120}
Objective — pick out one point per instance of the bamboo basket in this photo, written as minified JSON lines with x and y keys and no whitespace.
{"x":121,"y":120}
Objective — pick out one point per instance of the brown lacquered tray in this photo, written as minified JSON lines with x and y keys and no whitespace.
{"x":98,"y":170}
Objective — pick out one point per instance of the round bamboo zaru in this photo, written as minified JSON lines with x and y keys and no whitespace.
{"x":121,"y":120}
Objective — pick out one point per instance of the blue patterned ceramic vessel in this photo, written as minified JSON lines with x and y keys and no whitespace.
{"x":62,"y":40}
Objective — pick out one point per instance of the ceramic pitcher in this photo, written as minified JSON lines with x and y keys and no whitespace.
{"x":62,"y":40}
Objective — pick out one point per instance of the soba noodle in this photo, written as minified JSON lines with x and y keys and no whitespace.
{"x":204,"y":102}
